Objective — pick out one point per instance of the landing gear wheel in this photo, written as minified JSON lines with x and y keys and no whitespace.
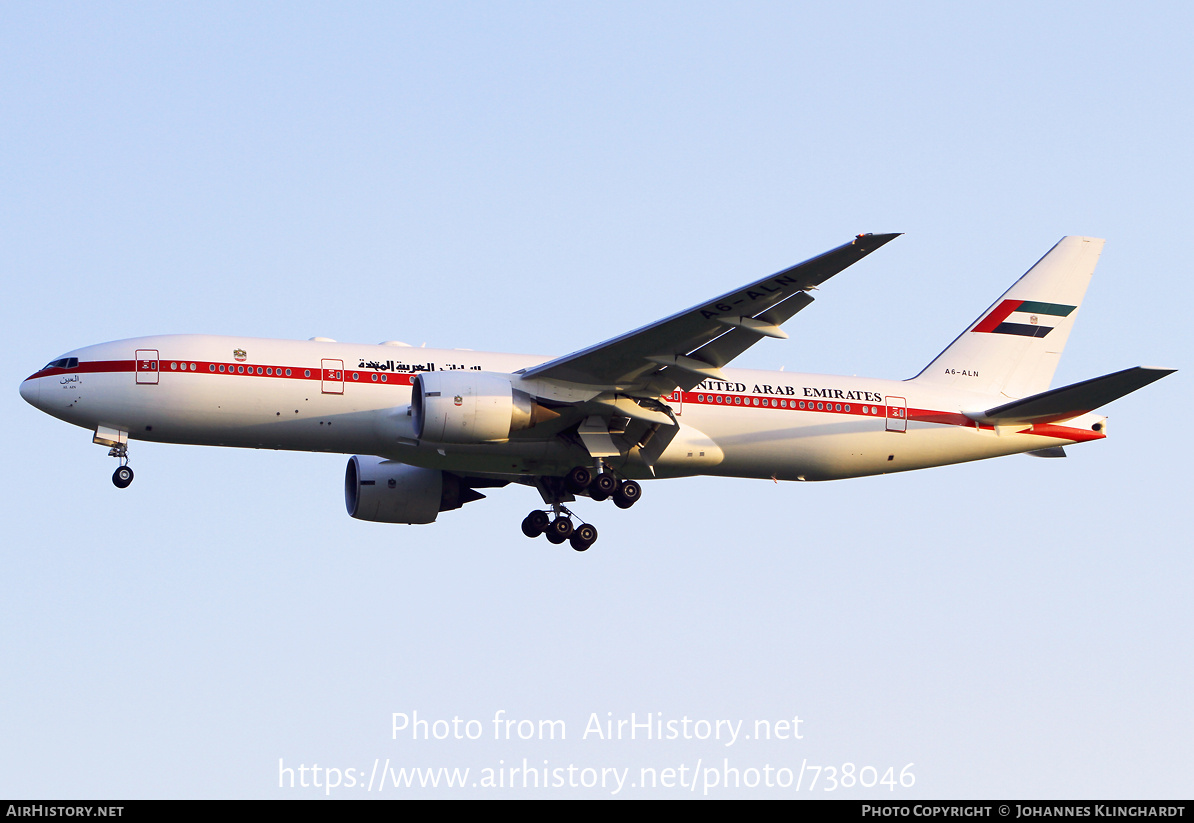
{"x":603,"y":486}
{"x":534,"y":523}
{"x":578,"y":479}
{"x":122,"y":477}
{"x":559,"y":530}
{"x":583,"y":537}
{"x":627,"y":494}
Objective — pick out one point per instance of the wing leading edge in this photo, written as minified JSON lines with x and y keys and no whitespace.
{"x":693,"y":345}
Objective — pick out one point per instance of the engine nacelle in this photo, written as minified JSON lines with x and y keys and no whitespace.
{"x":471,"y":407}
{"x":387,"y":492}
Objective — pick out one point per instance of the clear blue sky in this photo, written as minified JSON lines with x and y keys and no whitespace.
{"x":539,"y":177}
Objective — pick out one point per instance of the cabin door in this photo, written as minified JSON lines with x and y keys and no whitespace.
{"x":675,"y":400}
{"x":333,"y":376}
{"x":147,"y":366}
{"x":897,"y":414}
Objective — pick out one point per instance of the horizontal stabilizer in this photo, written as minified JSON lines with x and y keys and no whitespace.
{"x":1070,"y":401}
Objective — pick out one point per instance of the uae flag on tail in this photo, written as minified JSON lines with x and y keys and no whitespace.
{"x":1027,"y":318}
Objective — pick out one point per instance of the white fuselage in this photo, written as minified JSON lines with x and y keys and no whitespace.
{"x":354,"y":399}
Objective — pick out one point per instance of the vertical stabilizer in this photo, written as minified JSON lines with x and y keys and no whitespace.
{"x":1014,"y":346}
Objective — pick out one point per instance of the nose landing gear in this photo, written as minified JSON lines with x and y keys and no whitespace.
{"x":117,"y":441}
{"x":123,"y":476}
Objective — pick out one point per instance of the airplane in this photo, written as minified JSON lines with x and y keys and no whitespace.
{"x":428,"y":428}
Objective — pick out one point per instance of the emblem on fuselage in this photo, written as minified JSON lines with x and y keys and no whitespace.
{"x":240,"y":354}
{"x":458,"y":400}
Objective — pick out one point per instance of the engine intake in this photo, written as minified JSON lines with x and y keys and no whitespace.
{"x":471,"y":407}
{"x":383,"y":491}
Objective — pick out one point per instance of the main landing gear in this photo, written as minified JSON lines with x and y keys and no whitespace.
{"x":581,"y":480}
{"x":557,"y":526}
{"x":123,"y":476}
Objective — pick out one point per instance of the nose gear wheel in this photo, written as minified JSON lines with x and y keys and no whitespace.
{"x":123,"y":476}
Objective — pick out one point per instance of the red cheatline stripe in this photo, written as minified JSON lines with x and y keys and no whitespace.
{"x":1000,"y":313}
{"x":944,"y":418}
{"x":89,"y":367}
{"x":1064,"y":432}
{"x":879,"y":411}
{"x":230,"y":369}
{"x":852,"y":408}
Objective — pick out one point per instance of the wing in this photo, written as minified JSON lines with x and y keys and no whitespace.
{"x":693,"y":345}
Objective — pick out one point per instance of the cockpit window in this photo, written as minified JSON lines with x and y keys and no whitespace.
{"x":64,"y":363}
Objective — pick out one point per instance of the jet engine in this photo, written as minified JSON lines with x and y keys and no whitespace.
{"x":471,"y":407}
{"x":384,"y":491}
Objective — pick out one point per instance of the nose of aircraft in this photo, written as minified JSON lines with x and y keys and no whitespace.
{"x":31,"y":390}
